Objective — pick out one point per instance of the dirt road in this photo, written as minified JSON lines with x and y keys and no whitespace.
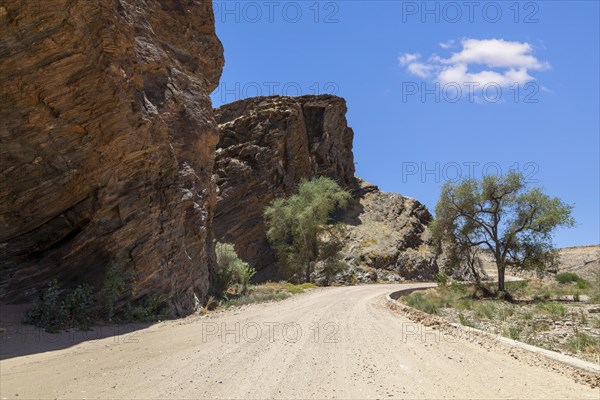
{"x":328,"y":343}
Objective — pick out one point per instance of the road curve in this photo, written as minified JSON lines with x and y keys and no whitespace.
{"x":328,"y":343}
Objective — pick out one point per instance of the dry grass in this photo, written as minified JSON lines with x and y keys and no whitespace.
{"x":270,"y":291}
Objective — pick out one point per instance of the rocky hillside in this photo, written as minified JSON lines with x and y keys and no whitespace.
{"x":387,"y":238}
{"x":267,"y":146}
{"x":107,"y":144}
{"x":583,"y":260}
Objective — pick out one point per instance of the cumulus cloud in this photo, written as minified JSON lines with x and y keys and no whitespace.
{"x":499,"y":61}
{"x":408,"y":58}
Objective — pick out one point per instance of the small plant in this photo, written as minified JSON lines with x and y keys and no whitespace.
{"x":539,"y":326}
{"x":527,"y":315}
{"x":584,"y":343}
{"x":464,"y":304}
{"x":210,"y":303}
{"x":423,"y":303}
{"x":465,"y":321}
{"x":485,"y":310}
{"x":514,"y":332}
{"x":553,"y":310}
{"x":505,"y":312}
{"x":441,"y":279}
{"x":246,"y":272}
{"x":582,"y":284}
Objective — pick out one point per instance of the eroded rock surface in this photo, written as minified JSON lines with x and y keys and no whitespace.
{"x":267,"y":146}
{"x":107,"y":144}
{"x":387,"y":238}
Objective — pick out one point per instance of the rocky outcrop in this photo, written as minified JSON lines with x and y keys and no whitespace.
{"x":387,"y":238}
{"x":107,"y":144}
{"x":267,"y":146}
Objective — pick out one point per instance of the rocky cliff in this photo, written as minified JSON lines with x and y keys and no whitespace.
{"x":267,"y":146}
{"x":387,"y":238}
{"x":107,"y":144}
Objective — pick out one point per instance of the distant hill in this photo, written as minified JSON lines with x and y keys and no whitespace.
{"x":583,"y":260}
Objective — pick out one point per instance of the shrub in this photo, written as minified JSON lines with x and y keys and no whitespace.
{"x":582,"y":342}
{"x":117,"y":281}
{"x":423,"y":303}
{"x":567,"y":277}
{"x":553,"y":310}
{"x":79,"y":305}
{"x":48,"y":311}
{"x":152,"y":308}
{"x":231,"y":269}
{"x":513,"y":332}
{"x":441,"y":279}
{"x":54,"y":310}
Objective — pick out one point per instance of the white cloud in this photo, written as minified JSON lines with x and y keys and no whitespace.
{"x":447,"y":45}
{"x":504,"y":63}
{"x":496,"y":53}
{"x":408,"y":58}
{"x":421,"y":70}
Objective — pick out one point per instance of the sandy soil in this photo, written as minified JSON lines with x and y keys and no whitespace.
{"x":328,"y":343}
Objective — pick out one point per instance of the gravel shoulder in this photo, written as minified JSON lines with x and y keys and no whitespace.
{"x":340,"y":342}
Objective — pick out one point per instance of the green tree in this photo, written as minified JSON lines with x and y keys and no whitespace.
{"x":501,"y":214}
{"x":295,"y":224}
{"x":330,"y":246}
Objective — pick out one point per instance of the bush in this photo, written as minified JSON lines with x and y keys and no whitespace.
{"x":231,"y":269}
{"x":553,"y":310}
{"x":117,"y":281}
{"x":53,"y":311}
{"x":441,"y":278}
{"x":152,"y":308}
{"x":80,"y":305}
{"x":48,"y":311}
{"x":567,"y":277}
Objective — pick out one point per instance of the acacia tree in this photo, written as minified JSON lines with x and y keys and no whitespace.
{"x":500,"y":214}
{"x":295,"y":224}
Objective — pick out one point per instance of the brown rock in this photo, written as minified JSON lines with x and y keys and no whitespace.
{"x":107,"y":144}
{"x":387,"y":232}
{"x":267,"y":146}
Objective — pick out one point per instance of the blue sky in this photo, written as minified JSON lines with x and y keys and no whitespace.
{"x":538,"y":61}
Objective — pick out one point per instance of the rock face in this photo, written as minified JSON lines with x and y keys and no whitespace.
{"x":267,"y":146}
{"x":107,"y":144}
{"x":386,"y":238}
{"x":583,"y":260}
